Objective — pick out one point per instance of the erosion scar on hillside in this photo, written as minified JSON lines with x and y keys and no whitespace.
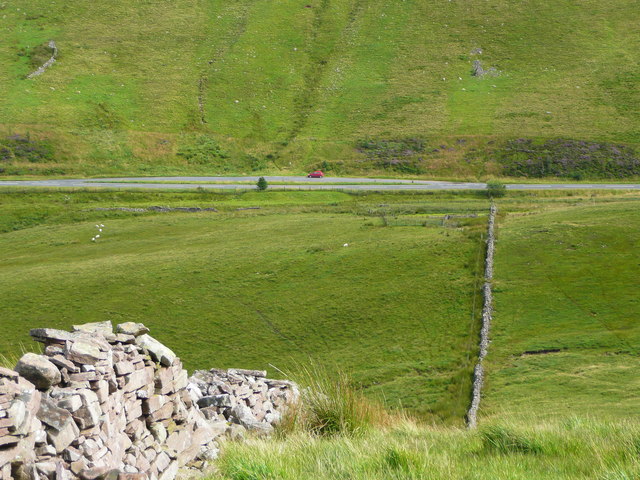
{"x":487,"y":311}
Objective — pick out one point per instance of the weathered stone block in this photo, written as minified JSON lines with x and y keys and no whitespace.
{"x":162,"y":413}
{"x":132,"y":328}
{"x":157,"y":350}
{"x":50,"y":334}
{"x":38,"y":370}
{"x":123,"y":368}
{"x":85,"y":350}
{"x":224,"y":400}
{"x":62,"y":429}
{"x":103,"y":328}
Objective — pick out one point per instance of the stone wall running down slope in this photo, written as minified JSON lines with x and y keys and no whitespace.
{"x":119,"y":406}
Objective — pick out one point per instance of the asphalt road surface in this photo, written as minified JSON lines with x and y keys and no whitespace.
{"x":326,"y":183}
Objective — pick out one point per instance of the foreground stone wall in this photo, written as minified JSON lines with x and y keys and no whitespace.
{"x":105,"y":405}
{"x":243,"y":397}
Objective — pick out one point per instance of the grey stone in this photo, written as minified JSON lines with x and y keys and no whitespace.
{"x":250,"y":373}
{"x":260,"y":428}
{"x":18,"y":414}
{"x":159,"y":432}
{"x":132,"y":328}
{"x":158,"y":351}
{"x":216,"y":401}
{"x":162,"y":461}
{"x":85,"y":350}
{"x":478,"y":71}
{"x":209,"y":454}
{"x":45,"y":451}
{"x":63,"y":429}
{"x":170,"y":472}
{"x":48,"y":469}
{"x":120,"y":338}
{"x":50,"y":334}
{"x":242,"y":414}
{"x":70,"y":403}
{"x":179,"y":440}
{"x":99,"y":473}
{"x":104,"y":328}
{"x":61,"y":362}
{"x":38,"y":370}
{"x":236,"y":432}
{"x":6,"y":373}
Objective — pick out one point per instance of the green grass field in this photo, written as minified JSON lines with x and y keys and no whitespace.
{"x":290,"y":85}
{"x":567,"y":281}
{"x":263,"y":287}
{"x":397,"y":308}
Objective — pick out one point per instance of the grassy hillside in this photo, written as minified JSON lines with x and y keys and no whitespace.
{"x":346,"y":85}
{"x":255,"y":288}
{"x":566,"y":339}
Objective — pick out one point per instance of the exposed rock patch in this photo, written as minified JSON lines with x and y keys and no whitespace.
{"x":479,"y":71}
{"x":52,"y":45}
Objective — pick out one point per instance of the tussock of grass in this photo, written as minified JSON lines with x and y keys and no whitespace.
{"x":10,"y":359}
{"x":330,"y":405}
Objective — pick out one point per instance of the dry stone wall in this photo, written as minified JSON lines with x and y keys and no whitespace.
{"x":99,"y":405}
{"x":245,"y":398}
{"x":487,"y":314}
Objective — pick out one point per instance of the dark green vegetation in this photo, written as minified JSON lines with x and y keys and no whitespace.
{"x":567,"y":158}
{"x":496,"y":189}
{"x":566,"y":336}
{"x":343,"y":85}
{"x":312,"y":275}
{"x":262,"y":184}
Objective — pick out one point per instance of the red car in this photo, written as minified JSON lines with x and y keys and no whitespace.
{"x":316,"y":174}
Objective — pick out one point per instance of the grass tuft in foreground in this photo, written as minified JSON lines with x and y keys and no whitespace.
{"x":330,"y":405}
{"x":576,"y":448}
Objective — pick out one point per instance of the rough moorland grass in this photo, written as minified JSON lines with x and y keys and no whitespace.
{"x":565,"y":337}
{"x":288,"y":84}
{"x":330,"y":405}
{"x":253,"y":287}
{"x":575,"y":448}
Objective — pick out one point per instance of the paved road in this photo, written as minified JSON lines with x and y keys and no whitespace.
{"x":327,"y":183}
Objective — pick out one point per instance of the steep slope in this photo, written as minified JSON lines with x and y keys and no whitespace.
{"x":291,"y":84}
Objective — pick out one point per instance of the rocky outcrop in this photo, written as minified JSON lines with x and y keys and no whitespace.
{"x":479,"y":71}
{"x":105,"y":405}
{"x":54,"y":53}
